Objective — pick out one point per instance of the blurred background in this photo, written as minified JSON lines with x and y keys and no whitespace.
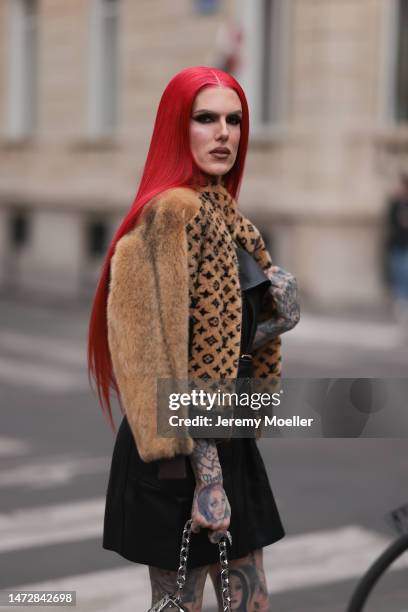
{"x":326,"y":182}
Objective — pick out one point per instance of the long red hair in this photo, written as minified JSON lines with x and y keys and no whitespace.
{"x":169,"y":163}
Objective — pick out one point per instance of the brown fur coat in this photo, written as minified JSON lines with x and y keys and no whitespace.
{"x":180,"y":260}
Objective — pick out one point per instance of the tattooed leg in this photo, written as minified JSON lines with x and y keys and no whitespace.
{"x":247,"y":583}
{"x":164,"y":581}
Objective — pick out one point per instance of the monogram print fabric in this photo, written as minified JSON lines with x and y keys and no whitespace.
{"x":215,"y":304}
{"x":214,"y":291}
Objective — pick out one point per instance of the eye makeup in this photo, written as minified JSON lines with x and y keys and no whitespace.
{"x":208,"y":117}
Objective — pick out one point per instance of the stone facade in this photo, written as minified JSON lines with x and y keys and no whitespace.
{"x":325,"y":163}
{"x":316,"y":176}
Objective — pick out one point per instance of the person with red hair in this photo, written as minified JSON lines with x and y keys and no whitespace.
{"x":188,"y":291}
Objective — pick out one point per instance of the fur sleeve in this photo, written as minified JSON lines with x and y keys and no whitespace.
{"x":147,"y":314}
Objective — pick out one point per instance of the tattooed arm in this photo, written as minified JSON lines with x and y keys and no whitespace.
{"x":211,"y":508}
{"x":284,"y":293}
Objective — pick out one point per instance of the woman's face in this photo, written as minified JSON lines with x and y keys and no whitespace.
{"x":211,"y":453}
{"x":236,"y":592}
{"x":217,"y":504}
{"x":215,"y":129}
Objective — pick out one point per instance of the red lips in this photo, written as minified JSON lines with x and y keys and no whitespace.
{"x":221,"y":150}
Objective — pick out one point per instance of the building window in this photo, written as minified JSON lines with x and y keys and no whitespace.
{"x":22,"y":67}
{"x":18,"y":229}
{"x":264,"y":59}
{"x":96,"y":238}
{"x":273,"y":41}
{"x":207,"y":7}
{"x":402,"y":64}
{"x":103,"y":68}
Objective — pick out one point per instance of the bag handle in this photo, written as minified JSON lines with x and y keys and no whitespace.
{"x":182,"y":570}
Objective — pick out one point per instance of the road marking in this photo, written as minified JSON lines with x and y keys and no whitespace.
{"x":325,"y":330}
{"x":58,"y":350}
{"x":21,"y":372}
{"x":53,"y":364}
{"x":126,"y":589}
{"x":322,"y":557}
{"x":13,"y":447}
{"x":295,"y":562}
{"x":52,"y":524}
{"x":52,"y":472}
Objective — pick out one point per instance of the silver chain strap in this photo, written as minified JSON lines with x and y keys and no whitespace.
{"x":225,"y":588}
{"x":185,"y":545}
{"x":182,"y":570}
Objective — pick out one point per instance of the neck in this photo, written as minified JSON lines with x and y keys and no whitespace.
{"x":210,"y":180}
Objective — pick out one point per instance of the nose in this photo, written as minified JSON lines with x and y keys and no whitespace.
{"x":223,"y":130}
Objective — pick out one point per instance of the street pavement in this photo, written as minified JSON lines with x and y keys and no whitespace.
{"x":333,"y":495}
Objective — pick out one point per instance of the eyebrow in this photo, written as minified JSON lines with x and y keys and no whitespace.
{"x":204,"y":110}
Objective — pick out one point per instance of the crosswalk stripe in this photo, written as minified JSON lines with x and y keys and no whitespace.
{"x":45,"y":376}
{"x":52,"y":471}
{"x":126,"y":589}
{"x":13,"y":447}
{"x":324,"y":330}
{"x":295,"y":562}
{"x":59,"y":350}
{"x":323,"y":557}
{"x":51,"y":524}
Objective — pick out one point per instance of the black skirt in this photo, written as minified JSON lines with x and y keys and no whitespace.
{"x":145,"y":515}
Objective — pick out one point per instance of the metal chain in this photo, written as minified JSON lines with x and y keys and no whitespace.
{"x":185,"y":544}
{"x":182,"y":570}
{"x":225,"y":587}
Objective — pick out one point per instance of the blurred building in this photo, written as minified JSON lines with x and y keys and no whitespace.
{"x":80,"y":81}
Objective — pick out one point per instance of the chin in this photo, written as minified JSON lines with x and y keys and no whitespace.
{"x":218,"y":171}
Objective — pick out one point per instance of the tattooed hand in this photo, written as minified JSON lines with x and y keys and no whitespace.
{"x":211,"y":508}
{"x":284,"y":293}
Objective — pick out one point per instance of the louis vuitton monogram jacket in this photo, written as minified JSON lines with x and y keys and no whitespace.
{"x":179,"y":264}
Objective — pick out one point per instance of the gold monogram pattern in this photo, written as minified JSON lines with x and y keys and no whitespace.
{"x":214,"y":291}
